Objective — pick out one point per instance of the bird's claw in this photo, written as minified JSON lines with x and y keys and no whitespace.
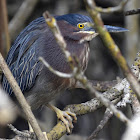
{"x":67,"y":117}
{"x":73,"y":115}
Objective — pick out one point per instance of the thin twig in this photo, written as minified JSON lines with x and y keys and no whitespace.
{"x":59,"y":38}
{"x":107,"y":115}
{"x":21,"y":99}
{"x":17,"y":132}
{"x":118,"y":8}
{"x":58,"y":73}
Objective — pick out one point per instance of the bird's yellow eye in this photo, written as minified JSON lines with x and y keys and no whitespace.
{"x":81,"y":26}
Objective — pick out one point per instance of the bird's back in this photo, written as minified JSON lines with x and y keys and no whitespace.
{"x":22,"y":58}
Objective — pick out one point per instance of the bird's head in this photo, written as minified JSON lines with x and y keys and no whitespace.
{"x":83,"y":26}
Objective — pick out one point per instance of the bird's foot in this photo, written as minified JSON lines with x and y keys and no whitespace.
{"x":67,"y":117}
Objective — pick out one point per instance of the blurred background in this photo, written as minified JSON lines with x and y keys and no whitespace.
{"x":101,"y":65}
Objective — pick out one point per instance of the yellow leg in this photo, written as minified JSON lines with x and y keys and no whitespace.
{"x":31,"y":130}
{"x":65,"y":116}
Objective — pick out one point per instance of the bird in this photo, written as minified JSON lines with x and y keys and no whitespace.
{"x":38,"y":84}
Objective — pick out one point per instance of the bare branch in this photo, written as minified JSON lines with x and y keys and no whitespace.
{"x":112,"y":47}
{"x":21,"y":99}
{"x":59,"y":38}
{"x":107,"y":115}
{"x":105,"y":101}
{"x":17,"y":132}
{"x":101,"y":86}
{"x":118,"y":8}
{"x":58,"y":73}
{"x":21,"y":135}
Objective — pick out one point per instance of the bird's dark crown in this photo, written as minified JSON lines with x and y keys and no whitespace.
{"x":74,"y":19}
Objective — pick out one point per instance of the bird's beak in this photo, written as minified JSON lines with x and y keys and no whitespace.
{"x":113,"y":29}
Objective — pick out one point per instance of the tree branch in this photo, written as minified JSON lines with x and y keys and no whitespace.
{"x":21,"y":99}
{"x":111,"y":46}
{"x":107,"y":115}
{"x":118,"y":8}
{"x":58,"y":73}
{"x":101,"y":86}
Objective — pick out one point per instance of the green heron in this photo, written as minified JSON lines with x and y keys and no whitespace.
{"x":37,"y":83}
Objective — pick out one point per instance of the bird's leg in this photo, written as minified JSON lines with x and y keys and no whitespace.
{"x":31,"y":130}
{"x":65,"y":117}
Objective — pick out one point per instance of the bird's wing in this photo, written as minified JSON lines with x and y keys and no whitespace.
{"x":22,"y":58}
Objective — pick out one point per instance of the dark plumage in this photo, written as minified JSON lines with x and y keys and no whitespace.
{"x":37,"y":83}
